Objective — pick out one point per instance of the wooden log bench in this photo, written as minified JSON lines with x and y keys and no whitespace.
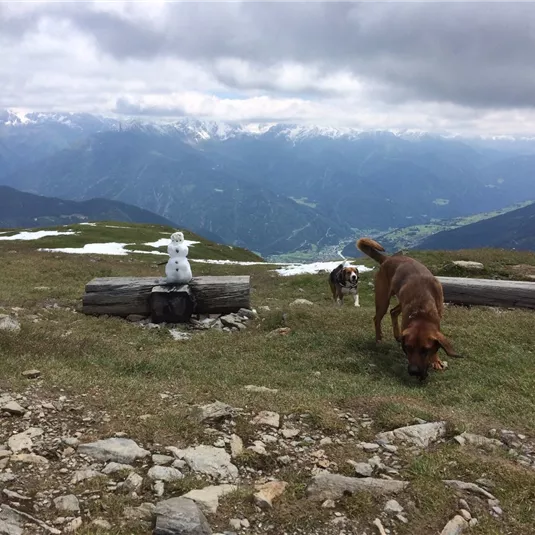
{"x":488,"y":292}
{"x":150,"y":296}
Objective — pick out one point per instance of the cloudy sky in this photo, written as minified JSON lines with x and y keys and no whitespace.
{"x":459,"y":67}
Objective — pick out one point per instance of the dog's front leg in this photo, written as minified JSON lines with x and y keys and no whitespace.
{"x":357,"y":302}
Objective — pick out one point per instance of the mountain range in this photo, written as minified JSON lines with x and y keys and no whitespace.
{"x":20,"y":209}
{"x":513,"y":230}
{"x":271,"y":188}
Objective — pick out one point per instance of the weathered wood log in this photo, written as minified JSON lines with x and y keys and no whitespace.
{"x":488,"y":292}
{"x":171,"y":304}
{"x":122,"y":296}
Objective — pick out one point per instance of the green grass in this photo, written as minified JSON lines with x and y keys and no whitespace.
{"x":328,"y":361}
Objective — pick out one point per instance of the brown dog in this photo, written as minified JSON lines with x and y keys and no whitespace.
{"x":421,"y":303}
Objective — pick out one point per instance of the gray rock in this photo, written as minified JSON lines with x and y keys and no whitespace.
{"x":180,"y":516}
{"x":214,"y":462}
{"x":468,"y":487}
{"x":369,"y":446}
{"x":393,"y":507}
{"x":469,"y":265}
{"x":23,"y":441}
{"x":73,"y":526}
{"x":481,"y":441}
{"x":83,"y":475}
{"x":10,"y":522}
{"x":6,"y":477}
{"x":362,"y":469}
{"x":214,"y":412}
{"x":289,"y":432}
{"x":120,"y":450}
{"x":162,"y":459}
{"x":248,"y":313}
{"x":101,"y":523}
{"x":267,"y":418}
{"x":13,"y":408}
{"x":164,"y":473}
{"x":327,"y":486}
{"x":142,"y":513}
{"x":455,"y":526}
{"x":31,"y":374}
{"x":301,"y":302}
{"x":236,"y":445}
{"x":9,"y":323}
{"x":420,"y":435}
{"x":179,"y":336}
{"x":112,"y":468}
{"x":231,"y":321}
{"x":208,"y":497}
{"x":261,"y":389}
{"x":133,"y":482}
{"x":67,"y":504}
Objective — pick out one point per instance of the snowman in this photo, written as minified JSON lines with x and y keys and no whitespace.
{"x":178,"y":270}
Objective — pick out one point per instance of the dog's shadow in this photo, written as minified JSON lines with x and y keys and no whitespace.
{"x":378,"y":360}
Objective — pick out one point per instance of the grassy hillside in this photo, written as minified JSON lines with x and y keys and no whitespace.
{"x":331,"y":380}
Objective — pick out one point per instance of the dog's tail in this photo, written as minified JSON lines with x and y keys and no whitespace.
{"x":371,"y":248}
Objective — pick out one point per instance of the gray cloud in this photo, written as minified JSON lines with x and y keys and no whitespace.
{"x":475,"y":54}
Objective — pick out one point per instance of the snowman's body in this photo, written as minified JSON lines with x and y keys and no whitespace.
{"x":178,"y":270}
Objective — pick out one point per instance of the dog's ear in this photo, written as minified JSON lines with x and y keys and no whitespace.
{"x":445,"y":344}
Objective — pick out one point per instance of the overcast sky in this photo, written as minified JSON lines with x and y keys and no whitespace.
{"x":458,"y":67}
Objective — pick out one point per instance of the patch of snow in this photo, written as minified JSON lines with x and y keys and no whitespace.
{"x":37,"y":234}
{"x":164,"y":242}
{"x":111,"y":248}
{"x":233,"y":262}
{"x":89,"y":224}
{"x":315,"y":267}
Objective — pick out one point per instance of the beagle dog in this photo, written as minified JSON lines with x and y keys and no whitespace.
{"x":344,"y":280}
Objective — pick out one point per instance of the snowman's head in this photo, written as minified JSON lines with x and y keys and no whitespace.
{"x":177,"y":237}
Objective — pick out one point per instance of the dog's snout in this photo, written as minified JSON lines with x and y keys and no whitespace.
{"x":413,"y":370}
{"x":353,"y":277}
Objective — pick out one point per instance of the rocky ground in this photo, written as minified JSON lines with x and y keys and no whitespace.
{"x":54,"y":479}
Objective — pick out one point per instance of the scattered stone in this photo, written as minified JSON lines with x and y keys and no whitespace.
{"x":497,"y":510}
{"x":469,"y":487}
{"x":23,"y":441}
{"x":393,"y":507}
{"x":267,"y":492}
{"x":67,"y":504}
{"x":379,"y":525}
{"x":180,"y":516}
{"x":481,"y":441}
{"x":120,"y":450}
{"x":369,"y":446}
{"x":162,"y":459}
{"x":15,"y":496}
{"x":463,"y":504}
{"x":112,"y":468}
{"x":31,"y":374}
{"x":362,"y":469}
{"x":329,"y":504}
{"x":455,"y":526}
{"x":179,"y":336}
{"x":133,"y":482}
{"x":73,"y":525}
{"x":326,"y":441}
{"x":235,"y":523}
{"x":248,"y":313}
{"x":83,"y":475}
{"x":214,"y":412}
{"x":9,"y":323}
{"x":258,"y":447}
{"x":236,"y":445}
{"x":301,"y":302}
{"x":267,"y":418}
{"x":327,"y":486}
{"x":13,"y":408}
{"x":231,"y":321}
{"x":164,"y":473}
{"x":290,"y":432}
{"x":262,"y":389}
{"x":14,"y":517}
{"x":466,"y":514}
{"x":159,"y":488}
{"x":10,"y":522}
{"x":420,"y":435}
{"x":214,"y":462}
{"x":6,"y":477}
{"x":208,"y":497}
{"x":142,"y":513}
{"x":101,"y":523}
{"x":469,"y":265}
{"x":29,"y":458}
